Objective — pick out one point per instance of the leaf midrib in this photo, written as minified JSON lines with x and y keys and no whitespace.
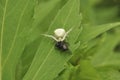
{"x":42,"y":63}
{"x":2,"y":29}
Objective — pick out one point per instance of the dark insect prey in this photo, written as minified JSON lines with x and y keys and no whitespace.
{"x":62,"y":45}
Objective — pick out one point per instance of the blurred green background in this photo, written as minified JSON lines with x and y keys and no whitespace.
{"x":94,"y":43}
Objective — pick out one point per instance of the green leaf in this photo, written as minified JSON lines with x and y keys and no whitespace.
{"x":87,"y":12}
{"x":48,"y":61}
{"x":105,"y":56}
{"x":103,"y":16}
{"x":44,"y":10}
{"x":109,"y":74}
{"x":48,"y":9}
{"x":89,"y":32}
{"x":66,"y":73}
{"x":88,"y":72}
{"x":86,"y":39}
{"x":15,"y":20}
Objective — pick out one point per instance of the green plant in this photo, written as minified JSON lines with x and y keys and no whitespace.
{"x":94,"y":42}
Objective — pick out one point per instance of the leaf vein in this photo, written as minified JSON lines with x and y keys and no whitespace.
{"x":2,"y":29}
{"x":42,"y":63}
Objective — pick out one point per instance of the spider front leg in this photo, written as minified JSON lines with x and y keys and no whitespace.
{"x":66,"y":34}
{"x":50,"y":36}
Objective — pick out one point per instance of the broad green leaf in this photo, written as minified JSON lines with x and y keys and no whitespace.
{"x":16,"y":20}
{"x":26,"y":59}
{"x":105,"y":56}
{"x":49,"y":61}
{"x":42,"y":11}
{"x":48,"y":10}
{"x":89,"y":32}
{"x":86,"y":39}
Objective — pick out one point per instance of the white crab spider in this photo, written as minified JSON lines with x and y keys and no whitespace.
{"x":59,"y":36}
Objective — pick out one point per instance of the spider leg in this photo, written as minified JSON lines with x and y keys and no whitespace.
{"x":50,"y":36}
{"x":66,"y":34}
{"x":69,"y":30}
